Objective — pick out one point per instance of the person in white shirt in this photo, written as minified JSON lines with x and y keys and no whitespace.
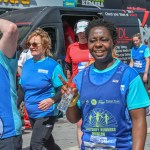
{"x":25,"y":55}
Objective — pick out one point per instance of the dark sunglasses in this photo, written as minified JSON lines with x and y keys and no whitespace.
{"x":34,"y":44}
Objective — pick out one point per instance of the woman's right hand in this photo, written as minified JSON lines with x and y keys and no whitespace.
{"x":68,"y":85}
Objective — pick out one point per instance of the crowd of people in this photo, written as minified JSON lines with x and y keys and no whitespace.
{"x":110,"y":97}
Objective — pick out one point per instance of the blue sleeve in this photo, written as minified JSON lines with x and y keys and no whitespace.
{"x":9,"y":62}
{"x":55,"y":79}
{"x":137,"y":96}
{"x":147,"y":52}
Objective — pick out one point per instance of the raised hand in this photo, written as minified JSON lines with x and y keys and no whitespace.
{"x":68,"y":84}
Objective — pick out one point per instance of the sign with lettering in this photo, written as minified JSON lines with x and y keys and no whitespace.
{"x":69,"y":3}
{"x":24,"y":2}
{"x":116,"y":4}
{"x":124,"y":22}
{"x":19,"y":4}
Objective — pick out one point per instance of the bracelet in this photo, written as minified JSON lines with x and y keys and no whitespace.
{"x":74,"y":101}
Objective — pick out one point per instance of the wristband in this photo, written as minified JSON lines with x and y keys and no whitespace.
{"x":74,"y":101}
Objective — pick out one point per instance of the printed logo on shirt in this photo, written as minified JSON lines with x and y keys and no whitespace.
{"x":100,"y":118}
{"x":97,"y":124}
{"x":93,"y":101}
{"x":141,"y":51}
{"x":115,"y":81}
{"x":43,"y":71}
{"x":122,"y":87}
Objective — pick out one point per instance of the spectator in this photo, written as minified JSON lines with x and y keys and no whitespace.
{"x":112,"y":96}
{"x":42,"y":91}
{"x":10,"y":121}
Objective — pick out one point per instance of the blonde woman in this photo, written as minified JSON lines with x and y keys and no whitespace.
{"x":41,"y":86}
{"x":140,"y":54}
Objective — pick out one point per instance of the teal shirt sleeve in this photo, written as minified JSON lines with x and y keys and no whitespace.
{"x":137,"y":96}
{"x":9,"y":63}
{"x":147,"y":52}
{"x":55,"y":79}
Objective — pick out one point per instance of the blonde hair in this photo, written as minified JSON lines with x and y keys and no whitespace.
{"x":137,"y":35}
{"x":46,"y":40}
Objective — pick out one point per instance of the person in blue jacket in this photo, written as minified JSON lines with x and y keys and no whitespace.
{"x":140,"y":54}
{"x":10,"y":121}
{"x":111,"y":94}
{"x":41,"y":85}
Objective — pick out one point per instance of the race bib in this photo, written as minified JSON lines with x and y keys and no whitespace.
{"x":137,"y":64}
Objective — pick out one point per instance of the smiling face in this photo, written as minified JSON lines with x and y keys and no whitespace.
{"x":100,"y":44}
{"x":36,"y":48}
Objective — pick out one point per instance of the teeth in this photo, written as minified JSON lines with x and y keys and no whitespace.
{"x":99,"y":51}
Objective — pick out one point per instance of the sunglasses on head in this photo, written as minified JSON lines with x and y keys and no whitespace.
{"x":34,"y":44}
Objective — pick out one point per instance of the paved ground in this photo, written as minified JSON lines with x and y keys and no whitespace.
{"x":65,"y":136}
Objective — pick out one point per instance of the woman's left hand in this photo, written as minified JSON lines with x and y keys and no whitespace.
{"x":45,"y":104}
{"x":145,"y":77}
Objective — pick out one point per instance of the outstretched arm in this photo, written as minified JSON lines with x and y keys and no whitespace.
{"x":8,"y":42}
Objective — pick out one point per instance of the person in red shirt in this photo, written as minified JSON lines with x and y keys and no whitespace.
{"x":78,"y":55}
{"x":77,"y":58}
{"x":68,"y":33}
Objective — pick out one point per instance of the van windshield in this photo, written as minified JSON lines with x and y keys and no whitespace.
{"x":23,"y":31}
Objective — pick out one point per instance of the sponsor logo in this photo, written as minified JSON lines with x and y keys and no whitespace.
{"x":115,"y":81}
{"x":122,"y":87}
{"x":43,"y":71}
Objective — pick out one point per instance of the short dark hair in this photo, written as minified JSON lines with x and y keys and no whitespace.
{"x":101,"y":22}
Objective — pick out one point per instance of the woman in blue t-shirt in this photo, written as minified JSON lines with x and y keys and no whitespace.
{"x":41,"y":85}
{"x":140,"y":54}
